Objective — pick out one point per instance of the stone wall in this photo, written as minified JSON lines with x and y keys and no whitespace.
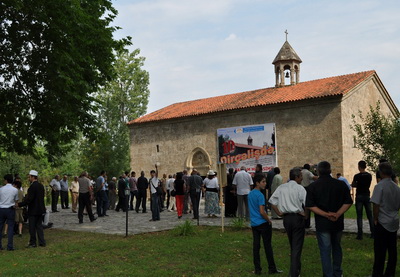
{"x":306,"y":132}
{"x":360,"y":99}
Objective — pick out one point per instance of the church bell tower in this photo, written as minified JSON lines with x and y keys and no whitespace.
{"x":286,"y":65}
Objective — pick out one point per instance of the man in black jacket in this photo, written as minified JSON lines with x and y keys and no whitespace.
{"x":329,"y":199}
{"x":362,"y":181}
{"x":36,"y":209}
{"x":122,"y":201}
{"x":142,"y":185}
{"x":195,"y":183}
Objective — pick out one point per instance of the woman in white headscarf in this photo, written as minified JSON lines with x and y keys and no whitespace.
{"x":211,"y":187}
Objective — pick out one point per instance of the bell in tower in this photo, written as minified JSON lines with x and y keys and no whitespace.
{"x":287,"y":65}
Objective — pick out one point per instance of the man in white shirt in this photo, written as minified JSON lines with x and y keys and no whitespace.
{"x":133,"y":189}
{"x":55,"y":192}
{"x":101,"y":195}
{"x":64,"y":192}
{"x":288,"y":201}
{"x":154,"y":182}
{"x":341,"y":178}
{"x":386,"y":202}
{"x":8,"y":200}
{"x":308,"y":178}
{"x":242,"y":182}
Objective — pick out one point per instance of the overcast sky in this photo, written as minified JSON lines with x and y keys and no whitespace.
{"x":203,"y":48}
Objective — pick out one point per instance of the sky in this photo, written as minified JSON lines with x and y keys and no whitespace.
{"x":202,"y":48}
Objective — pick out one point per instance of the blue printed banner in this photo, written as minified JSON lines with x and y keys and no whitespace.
{"x":249,"y":129}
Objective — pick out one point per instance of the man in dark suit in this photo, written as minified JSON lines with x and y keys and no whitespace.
{"x":142,"y":185}
{"x":36,"y":209}
{"x":195,"y":183}
{"x":122,"y":201}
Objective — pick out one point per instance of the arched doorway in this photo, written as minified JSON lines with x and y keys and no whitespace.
{"x":200,"y":160}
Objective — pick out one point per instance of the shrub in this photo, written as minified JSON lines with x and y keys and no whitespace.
{"x":185,"y":229}
{"x":238,"y":223}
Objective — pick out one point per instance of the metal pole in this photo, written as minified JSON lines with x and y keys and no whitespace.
{"x":127,"y":193}
{"x":221,"y":203}
{"x":198,"y":197}
{"x":126,"y":218}
{"x":222,"y":183}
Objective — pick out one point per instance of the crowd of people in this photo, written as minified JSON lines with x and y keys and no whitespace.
{"x":11,"y":203}
{"x":178,"y":192}
{"x":328,"y":198}
{"x":247,"y":196}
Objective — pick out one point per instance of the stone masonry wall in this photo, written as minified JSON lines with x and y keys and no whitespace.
{"x":359,"y":100}
{"x":306,"y":132}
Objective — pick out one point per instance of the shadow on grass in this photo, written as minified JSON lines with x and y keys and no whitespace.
{"x":207,"y":252}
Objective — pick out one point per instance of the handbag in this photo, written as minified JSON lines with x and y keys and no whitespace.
{"x":158,"y":189}
{"x":173,"y":193}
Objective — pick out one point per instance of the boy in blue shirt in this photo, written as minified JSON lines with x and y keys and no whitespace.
{"x":261,"y":226}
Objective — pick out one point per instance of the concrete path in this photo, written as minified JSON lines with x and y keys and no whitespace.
{"x":138,"y":223}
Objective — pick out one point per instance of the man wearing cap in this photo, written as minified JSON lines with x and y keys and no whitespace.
{"x":35,"y":202}
{"x":8,"y":200}
{"x":242,"y":182}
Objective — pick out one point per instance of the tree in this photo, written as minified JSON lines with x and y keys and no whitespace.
{"x":378,"y":136}
{"x":11,"y":162}
{"x":124,"y":98}
{"x":54,"y":55}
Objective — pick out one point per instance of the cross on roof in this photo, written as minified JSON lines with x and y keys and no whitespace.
{"x":286,"y":32}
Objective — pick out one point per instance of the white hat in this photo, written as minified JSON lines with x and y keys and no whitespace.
{"x":33,"y":173}
{"x":210,"y":172}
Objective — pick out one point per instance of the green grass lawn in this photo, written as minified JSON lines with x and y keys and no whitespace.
{"x":206,"y":253}
{"x":351,"y":213}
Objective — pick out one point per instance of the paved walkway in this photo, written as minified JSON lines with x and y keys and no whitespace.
{"x":138,"y":223}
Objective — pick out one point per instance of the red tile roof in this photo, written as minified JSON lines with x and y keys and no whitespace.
{"x":339,"y":85}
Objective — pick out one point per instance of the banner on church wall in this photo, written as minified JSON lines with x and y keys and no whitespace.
{"x":247,"y":146}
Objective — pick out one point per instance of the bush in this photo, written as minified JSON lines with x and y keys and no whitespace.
{"x":238,"y":223}
{"x":185,"y":229}
{"x":377,"y":136}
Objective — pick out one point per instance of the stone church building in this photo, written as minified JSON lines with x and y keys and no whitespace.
{"x":312,"y":121}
